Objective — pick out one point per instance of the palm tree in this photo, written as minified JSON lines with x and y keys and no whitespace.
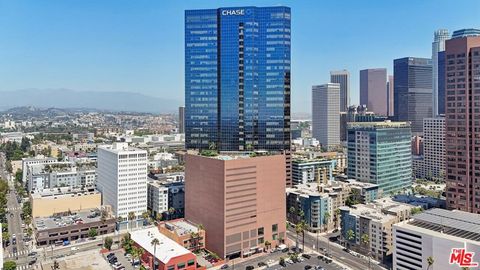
{"x":336,"y":217}
{"x":131,"y":216}
{"x":200,"y":227}
{"x":430,"y":261}
{"x":171,"y":211}
{"x":145,"y":216}
{"x":212,"y":146}
{"x":154,"y":243}
{"x":326,"y":218}
{"x":292,"y":213}
{"x":298,"y":230}
{"x":350,"y":235}
{"x":194,"y":238}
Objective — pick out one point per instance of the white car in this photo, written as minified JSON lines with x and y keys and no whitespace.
{"x":74,"y":249}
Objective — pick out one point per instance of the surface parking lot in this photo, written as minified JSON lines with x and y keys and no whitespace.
{"x":121,"y":259}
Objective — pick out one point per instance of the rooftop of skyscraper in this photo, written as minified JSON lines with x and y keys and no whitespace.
{"x":467,"y":32}
{"x":384,"y":124}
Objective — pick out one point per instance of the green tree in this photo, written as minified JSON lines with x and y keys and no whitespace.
{"x":92,"y":232}
{"x":430,"y":261}
{"x":326,"y":219}
{"x":5,"y":237}
{"x":108,"y":242}
{"x":9,"y":265}
{"x":131,"y":216}
{"x":350,"y":235}
{"x":416,"y":210}
{"x":127,"y":243}
{"x":171,"y":212}
{"x":267,"y":244}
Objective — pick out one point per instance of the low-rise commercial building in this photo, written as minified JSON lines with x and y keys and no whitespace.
{"x":367,"y":228}
{"x":191,"y":236}
{"x":166,"y":255}
{"x":440,"y":235}
{"x":174,"y":184}
{"x":72,"y":226}
{"x":364,"y":192}
{"x":425,"y":202}
{"x":60,"y":200}
{"x":60,"y":174}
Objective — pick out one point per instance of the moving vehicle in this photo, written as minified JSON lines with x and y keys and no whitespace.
{"x":308,"y":267}
{"x":249,"y":267}
{"x":225,"y":266}
{"x":306,"y":256}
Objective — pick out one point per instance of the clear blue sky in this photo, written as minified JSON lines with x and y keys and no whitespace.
{"x":137,"y":46}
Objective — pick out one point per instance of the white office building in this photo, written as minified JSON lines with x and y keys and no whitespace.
{"x":122,"y":178}
{"x":436,"y":233}
{"x":326,"y":114}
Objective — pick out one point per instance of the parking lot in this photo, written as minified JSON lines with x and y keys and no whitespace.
{"x":124,"y":261}
{"x":273,"y":259}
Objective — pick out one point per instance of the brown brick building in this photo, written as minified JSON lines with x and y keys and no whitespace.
{"x":240,"y":200}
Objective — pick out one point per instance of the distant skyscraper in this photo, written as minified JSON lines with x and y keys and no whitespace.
{"x":441,"y":83}
{"x":122,"y":178}
{"x":413,"y":90}
{"x":390,"y":96}
{"x":380,"y":153}
{"x":326,"y":114}
{"x":469,"y":32}
{"x":462,"y":114}
{"x":237,"y":78}
{"x":342,"y":77}
{"x":438,"y":45}
{"x":373,"y":91}
{"x":181,"y":119}
{"x":434,"y":147}
{"x":357,"y":114}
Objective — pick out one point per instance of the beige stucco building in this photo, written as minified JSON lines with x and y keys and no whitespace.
{"x":59,"y":200}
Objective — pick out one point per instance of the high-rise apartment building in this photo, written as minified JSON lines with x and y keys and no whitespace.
{"x":326,"y":114}
{"x":240,"y":200}
{"x":390,"y":96}
{"x":342,"y":77}
{"x":181,"y":119}
{"x":462,"y":116}
{"x":434,"y":147}
{"x":413,"y":90}
{"x":237,"y":78}
{"x":380,"y":153}
{"x":122,"y":178}
{"x":373,"y":91}
{"x":438,"y":45}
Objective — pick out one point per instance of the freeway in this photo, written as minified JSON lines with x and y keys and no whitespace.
{"x":337,"y":253}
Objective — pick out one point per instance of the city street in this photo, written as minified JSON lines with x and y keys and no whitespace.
{"x":337,"y":253}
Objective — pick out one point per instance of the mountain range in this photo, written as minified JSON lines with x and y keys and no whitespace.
{"x":67,"y":98}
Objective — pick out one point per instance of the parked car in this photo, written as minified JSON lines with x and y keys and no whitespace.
{"x":261,"y":264}
{"x":308,"y":267}
{"x":110,"y":255}
{"x":249,"y":267}
{"x":306,"y":256}
{"x":225,"y":266}
{"x":32,"y":254}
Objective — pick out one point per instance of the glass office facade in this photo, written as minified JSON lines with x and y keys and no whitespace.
{"x":380,"y":153}
{"x":237,"y":78}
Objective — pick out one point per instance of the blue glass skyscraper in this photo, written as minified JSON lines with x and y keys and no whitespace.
{"x":237,"y":78}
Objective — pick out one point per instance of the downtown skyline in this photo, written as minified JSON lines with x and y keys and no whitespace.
{"x":139,"y":48}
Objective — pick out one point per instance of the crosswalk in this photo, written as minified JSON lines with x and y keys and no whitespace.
{"x":23,"y":267}
{"x":11,"y":209}
{"x":17,"y":254}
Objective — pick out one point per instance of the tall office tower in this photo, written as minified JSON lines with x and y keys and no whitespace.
{"x":434,"y":147}
{"x":372,"y":90}
{"x":181,"y":119}
{"x":462,"y":114}
{"x":379,"y":153}
{"x":413,"y":90}
{"x":239,"y":199}
{"x":326,"y":114}
{"x":441,"y":83}
{"x":342,"y":77}
{"x":468,"y":32}
{"x":390,"y":96}
{"x":237,"y":78}
{"x":438,"y":45}
{"x":122,"y":178}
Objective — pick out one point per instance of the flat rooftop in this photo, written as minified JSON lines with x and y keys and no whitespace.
{"x":456,"y":223}
{"x":181,"y":227}
{"x":118,"y":147}
{"x":384,"y":124}
{"x":64,"y":192}
{"x":80,"y":217}
{"x":165,"y":250}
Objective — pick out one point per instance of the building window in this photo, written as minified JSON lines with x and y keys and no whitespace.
{"x":261,"y":231}
{"x":261,"y":240}
{"x":181,"y":265}
{"x":191,"y":262}
{"x":171,"y":267}
{"x":274,"y":236}
{"x":274,"y":227}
